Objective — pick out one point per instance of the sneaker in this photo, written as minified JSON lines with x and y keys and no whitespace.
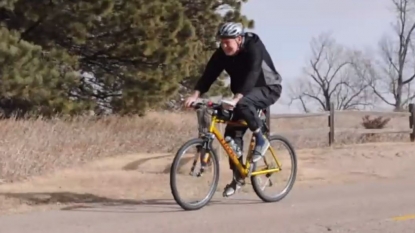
{"x":234,"y":186}
{"x":260,"y":150}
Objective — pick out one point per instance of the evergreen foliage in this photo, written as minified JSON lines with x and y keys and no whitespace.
{"x":126,"y":56}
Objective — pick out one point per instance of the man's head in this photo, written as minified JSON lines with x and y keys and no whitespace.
{"x":231,"y":36}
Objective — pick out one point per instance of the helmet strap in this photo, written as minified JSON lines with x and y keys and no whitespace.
{"x":242,"y":42}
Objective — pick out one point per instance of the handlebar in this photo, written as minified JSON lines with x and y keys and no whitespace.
{"x":205,"y":103}
{"x":201,"y":103}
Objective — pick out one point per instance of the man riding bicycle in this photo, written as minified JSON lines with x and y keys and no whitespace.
{"x":255,"y":84}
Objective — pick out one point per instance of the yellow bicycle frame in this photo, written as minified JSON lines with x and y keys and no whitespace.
{"x":244,"y":171}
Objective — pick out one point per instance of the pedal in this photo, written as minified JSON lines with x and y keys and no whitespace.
{"x":224,"y":192}
{"x":239,"y":187}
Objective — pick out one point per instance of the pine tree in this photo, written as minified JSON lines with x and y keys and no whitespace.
{"x":128,"y":55}
{"x":31,"y":80}
{"x":135,"y":50}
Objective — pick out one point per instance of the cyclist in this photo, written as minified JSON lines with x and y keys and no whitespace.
{"x":254,"y":82}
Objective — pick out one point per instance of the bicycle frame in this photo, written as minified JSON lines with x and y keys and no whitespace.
{"x":243,"y":169}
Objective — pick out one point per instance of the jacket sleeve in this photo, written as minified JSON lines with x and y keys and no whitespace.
{"x":213,"y":69}
{"x":253,"y":69}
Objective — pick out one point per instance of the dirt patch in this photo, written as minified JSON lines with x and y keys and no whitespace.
{"x":136,"y":178}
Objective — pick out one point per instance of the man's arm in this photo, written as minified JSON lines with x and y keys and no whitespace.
{"x":213,"y":69}
{"x":254,"y":63}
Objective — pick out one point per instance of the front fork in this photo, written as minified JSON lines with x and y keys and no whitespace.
{"x":203,"y":155}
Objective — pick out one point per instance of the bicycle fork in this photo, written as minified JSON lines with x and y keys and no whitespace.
{"x":203,"y":155}
{"x":204,"y":161}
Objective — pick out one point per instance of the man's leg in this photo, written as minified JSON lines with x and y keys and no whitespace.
{"x":258,"y":98}
{"x":237,"y":134}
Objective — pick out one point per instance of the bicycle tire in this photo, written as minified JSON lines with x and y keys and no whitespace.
{"x":173,"y":183}
{"x":293,"y":176}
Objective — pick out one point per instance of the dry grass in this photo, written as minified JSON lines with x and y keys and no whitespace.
{"x":34,"y":147}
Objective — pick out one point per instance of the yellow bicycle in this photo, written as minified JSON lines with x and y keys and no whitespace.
{"x":208,"y":157}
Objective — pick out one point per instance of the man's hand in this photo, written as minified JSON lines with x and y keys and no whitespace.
{"x":237,"y":97}
{"x":191,"y":99}
{"x":230,"y":104}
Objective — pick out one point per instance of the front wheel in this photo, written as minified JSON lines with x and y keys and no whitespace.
{"x":196,"y":174}
{"x":259,"y":187}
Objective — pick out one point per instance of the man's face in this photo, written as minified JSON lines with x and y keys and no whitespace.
{"x":230,"y":46}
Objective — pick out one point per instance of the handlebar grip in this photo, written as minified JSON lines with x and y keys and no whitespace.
{"x":196,"y":105}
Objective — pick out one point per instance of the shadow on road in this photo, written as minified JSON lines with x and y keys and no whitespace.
{"x":134,"y":165}
{"x":94,"y":203}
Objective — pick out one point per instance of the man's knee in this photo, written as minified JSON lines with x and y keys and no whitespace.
{"x":243,"y":103}
{"x":243,"y":108}
{"x":275,"y":93}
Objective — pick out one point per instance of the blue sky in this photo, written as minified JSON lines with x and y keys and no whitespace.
{"x":287,"y":27}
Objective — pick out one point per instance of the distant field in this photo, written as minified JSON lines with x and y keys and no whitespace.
{"x":34,"y":147}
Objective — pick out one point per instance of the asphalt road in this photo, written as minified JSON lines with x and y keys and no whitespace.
{"x":370,"y":207}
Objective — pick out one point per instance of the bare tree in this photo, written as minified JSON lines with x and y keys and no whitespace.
{"x":391,"y":80}
{"x":296,"y":91}
{"x":331,"y":78}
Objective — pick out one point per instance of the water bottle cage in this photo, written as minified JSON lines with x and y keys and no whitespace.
{"x":234,"y":146}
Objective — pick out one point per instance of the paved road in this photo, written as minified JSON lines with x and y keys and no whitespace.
{"x":368,"y":208}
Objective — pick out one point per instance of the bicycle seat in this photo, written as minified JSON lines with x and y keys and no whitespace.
{"x":261,"y":113}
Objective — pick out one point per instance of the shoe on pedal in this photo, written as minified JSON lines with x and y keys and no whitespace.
{"x":260,"y":150}
{"x":234,"y":186}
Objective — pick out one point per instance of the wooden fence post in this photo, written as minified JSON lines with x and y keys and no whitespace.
{"x":331,"y":124}
{"x":412,"y":121}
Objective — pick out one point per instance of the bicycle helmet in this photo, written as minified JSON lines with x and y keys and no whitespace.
{"x":230,"y":30}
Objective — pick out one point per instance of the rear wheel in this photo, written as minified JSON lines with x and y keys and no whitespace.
{"x":175,"y":175}
{"x":258,"y":184}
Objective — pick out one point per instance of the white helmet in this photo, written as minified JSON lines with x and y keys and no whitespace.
{"x":230,"y":30}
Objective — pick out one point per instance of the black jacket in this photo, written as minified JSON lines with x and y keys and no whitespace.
{"x":251,"y":67}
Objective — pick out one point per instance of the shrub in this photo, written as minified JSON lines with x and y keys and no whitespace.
{"x":376,"y":123}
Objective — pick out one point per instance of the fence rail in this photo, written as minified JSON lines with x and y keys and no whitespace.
{"x":331,"y":130}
